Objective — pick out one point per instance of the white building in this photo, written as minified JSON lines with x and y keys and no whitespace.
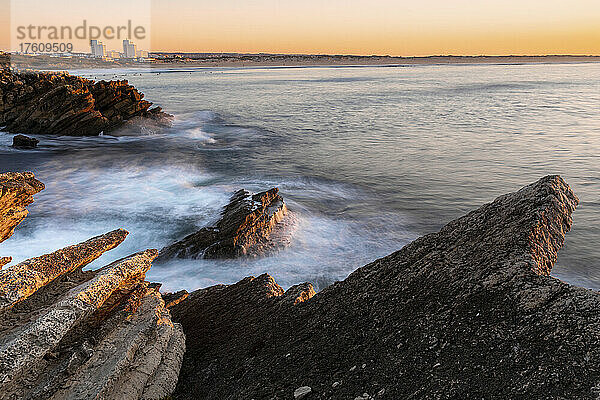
{"x":98,"y":48}
{"x":129,"y":49}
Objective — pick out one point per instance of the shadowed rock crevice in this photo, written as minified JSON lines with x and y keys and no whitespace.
{"x":468,"y":312}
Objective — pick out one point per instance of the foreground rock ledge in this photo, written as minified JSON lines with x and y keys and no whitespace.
{"x":22,"y":280}
{"x":244,"y":229}
{"x":468,"y":312}
{"x":63,"y":104}
{"x":102,"y":334}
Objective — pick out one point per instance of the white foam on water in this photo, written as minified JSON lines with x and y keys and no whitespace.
{"x":82,"y":200}
{"x":321,"y":251}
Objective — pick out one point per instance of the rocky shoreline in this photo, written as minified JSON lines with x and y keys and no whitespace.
{"x":61,"y":104}
{"x":468,"y":312}
{"x":66,"y":333}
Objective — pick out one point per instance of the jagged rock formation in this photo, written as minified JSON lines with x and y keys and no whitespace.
{"x":66,"y":333}
{"x":468,"y":312}
{"x":62,"y":104}
{"x":244,"y":229}
{"x":24,"y":279}
{"x":16,"y":193}
{"x":102,"y":334}
{"x":24,"y":142}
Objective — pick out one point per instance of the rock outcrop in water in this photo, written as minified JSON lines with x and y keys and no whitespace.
{"x":62,"y":104}
{"x":244,"y":229}
{"x":66,"y":333}
{"x":16,"y":193}
{"x":24,"y":142}
{"x":468,"y":312}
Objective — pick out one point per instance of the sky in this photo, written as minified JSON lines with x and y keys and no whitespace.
{"x":385,"y":27}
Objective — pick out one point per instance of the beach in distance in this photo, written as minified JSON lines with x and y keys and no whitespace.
{"x":237,"y":60}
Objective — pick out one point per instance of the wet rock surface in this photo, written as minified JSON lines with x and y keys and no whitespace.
{"x":24,"y":142}
{"x":62,"y":104}
{"x":468,"y":312}
{"x":244,"y":229}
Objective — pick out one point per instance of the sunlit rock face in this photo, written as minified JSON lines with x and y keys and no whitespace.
{"x":16,"y":193}
{"x":244,"y":229}
{"x":66,"y":333}
{"x":467,"y":312}
{"x":62,"y":104}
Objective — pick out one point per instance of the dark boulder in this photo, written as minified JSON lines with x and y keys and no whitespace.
{"x":24,"y":142}
{"x":468,"y":312}
{"x":244,"y":229}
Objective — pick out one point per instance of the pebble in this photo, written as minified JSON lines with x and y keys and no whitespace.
{"x":301,"y":392}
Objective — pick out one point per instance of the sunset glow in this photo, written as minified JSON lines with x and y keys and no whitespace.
{"x":404,"y":28}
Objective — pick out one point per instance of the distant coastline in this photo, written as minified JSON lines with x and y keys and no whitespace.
{"x":186,"y":60}
{"x":241,"y":60}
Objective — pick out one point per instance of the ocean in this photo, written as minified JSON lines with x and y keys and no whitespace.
{"x":367,"y":158}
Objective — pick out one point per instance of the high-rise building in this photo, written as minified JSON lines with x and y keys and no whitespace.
{"x":129,"y":49}
{"x":98,"y":48}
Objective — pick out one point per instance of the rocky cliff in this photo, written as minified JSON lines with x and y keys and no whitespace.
{"x":66,"y":333}
{"x":62,"y":104}
{"x":468,"y":312}
{"x":244,"y":229}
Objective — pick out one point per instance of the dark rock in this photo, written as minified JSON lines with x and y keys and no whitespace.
{"x":244,"y":229}
{"x":468,"y":312}
{"x":24,"y":142}
{"x":62,"y":104}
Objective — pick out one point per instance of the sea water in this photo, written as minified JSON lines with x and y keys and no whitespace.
{"x":367,"y":158}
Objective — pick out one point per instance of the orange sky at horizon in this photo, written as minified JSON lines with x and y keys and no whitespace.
{"x":384,"y":27}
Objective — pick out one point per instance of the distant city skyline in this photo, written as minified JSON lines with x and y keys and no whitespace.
{"x":130,"y":50}
{"x":383,"y":27}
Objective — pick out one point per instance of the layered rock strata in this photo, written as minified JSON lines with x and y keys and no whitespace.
{"x":244,"y":229}
{"x":22,"y":280}
{"x":102,"y":334}
{"x":63,"y":104}
{"x":16,"y":193}
{"x":468,"y":312}
{"x":66,"y":333}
